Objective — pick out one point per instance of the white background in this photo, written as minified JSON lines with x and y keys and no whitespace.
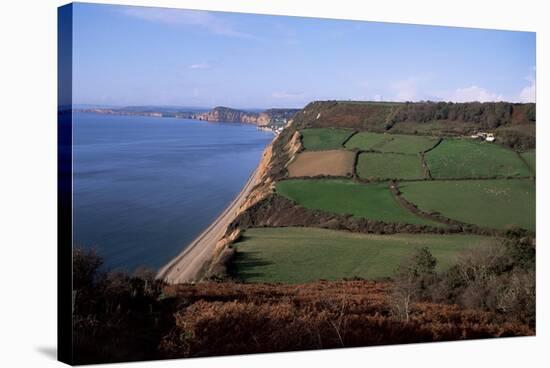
{"x":28,"y":182}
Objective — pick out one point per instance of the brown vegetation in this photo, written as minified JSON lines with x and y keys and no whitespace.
{"x":227,"y":318}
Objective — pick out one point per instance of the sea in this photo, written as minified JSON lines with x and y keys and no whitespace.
{"x":145,"y":187}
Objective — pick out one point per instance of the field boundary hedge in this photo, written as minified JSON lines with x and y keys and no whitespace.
{"x":348,"y":138}
{"x":278,"y":211}
{"x":434,"y":146}
{"x":425,"y":167}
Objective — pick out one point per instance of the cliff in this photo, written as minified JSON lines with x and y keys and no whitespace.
{"x":269,"y":118}
{"x":265,"y":118}
{"x":229,"y":115}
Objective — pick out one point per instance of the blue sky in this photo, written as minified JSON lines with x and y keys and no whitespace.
{"x":155,"y":56}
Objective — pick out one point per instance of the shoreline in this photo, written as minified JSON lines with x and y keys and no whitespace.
{"x":189,"y":262}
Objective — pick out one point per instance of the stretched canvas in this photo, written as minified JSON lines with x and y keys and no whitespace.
{"x":245,"y":183}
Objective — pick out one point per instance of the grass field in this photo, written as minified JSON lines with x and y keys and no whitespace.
{"x":530,"y":158}
{"x":459,"y":158}
{"x":324,"y":138}
{"x":398,"y":143}
{"x":373,"y":201}
{"x":389,"y":166}
{"x":410,"y":144}
{"x":296,"y":255}
{"x":496,"y":204}
{"x":328,"y":163}
{"x":367,"y":141}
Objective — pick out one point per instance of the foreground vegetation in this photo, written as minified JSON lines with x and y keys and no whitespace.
{"x":298,"y":255}
{"x":500,"y":204}
{"x":373,"y":201}
{"x":499,"y":278}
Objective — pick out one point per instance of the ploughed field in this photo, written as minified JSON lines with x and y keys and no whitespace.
{"x":322,"y":163}
{"x":415,"y":180}
{"x":296,"y":255}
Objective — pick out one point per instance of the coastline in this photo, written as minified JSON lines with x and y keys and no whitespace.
{"x":186,"y":266}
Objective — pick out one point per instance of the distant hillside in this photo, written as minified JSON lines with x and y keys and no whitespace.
{"x":155,"y":111}
{"x":514,"y":123}
{"x":267,"y":117}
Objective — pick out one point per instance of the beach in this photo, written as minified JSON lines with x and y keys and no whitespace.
{"x":187,"y":265}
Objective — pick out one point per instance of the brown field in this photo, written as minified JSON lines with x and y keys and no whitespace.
{"x":322,"y":163}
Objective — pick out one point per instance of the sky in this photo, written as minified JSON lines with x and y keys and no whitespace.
{"x":126,"y":55}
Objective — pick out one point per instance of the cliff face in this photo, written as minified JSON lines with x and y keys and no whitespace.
{"x":229,"y":115}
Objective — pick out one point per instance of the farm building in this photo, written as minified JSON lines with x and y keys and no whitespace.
{"x":489,"y":137}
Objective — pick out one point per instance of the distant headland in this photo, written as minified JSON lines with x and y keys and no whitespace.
{"x":273,"y":119}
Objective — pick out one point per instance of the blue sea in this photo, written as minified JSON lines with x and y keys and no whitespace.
{"x":145,"y":187}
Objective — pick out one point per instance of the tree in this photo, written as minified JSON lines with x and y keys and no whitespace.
{"x":422,"y":262}
{"x":411,"y":280}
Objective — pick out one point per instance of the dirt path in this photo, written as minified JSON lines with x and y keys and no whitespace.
{"x":187,"y":265}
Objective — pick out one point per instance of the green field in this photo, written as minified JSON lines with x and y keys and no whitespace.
{"x":459,"y":158}
{"x":373,"y":201}
{"x":296,"y":255}
{"x":367,"y":141}
{"x":410,"y":144}
{"x":389,"y":166}
{"x":398,"y":143}
{"x":324,"y":138}
{"x":498,"y":204}
{"x":530,"y":158}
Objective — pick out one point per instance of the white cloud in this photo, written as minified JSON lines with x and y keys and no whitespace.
{"x":473,"y":93}
{"x":529,"y":93}
{"x":179,"y":17}
{"x":476,"y":93}
{"x":200,"y":66}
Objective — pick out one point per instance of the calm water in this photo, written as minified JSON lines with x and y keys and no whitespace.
{"x":145,"y":187}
